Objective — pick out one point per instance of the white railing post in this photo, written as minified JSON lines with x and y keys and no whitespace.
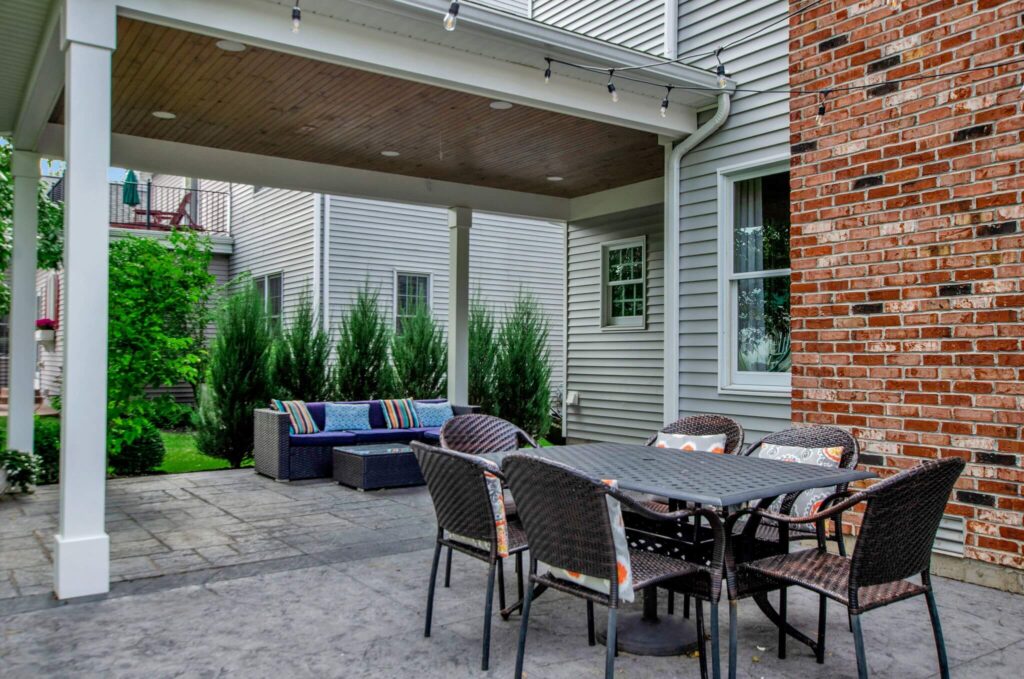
{"x":460,"y":219}
{"x":82,"y":555}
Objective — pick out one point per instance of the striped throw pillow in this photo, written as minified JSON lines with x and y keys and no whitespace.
{"x":400,"y":413}
{"x":300,"y":421}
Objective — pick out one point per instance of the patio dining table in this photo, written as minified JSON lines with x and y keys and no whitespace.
{"x":711,"y":479}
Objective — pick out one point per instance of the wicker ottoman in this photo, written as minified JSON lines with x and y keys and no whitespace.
{"x":381,"y":465}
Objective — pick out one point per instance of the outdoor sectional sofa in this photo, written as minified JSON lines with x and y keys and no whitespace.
{"x":285,"y":457}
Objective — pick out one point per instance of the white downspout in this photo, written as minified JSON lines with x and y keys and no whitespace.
{"x":671,"y":29}
{"x":317,"y":229}
{"x":325,"y":288}
{"x":670,"y":378}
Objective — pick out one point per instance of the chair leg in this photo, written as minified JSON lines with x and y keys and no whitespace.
{"x":591,"y":637}
{"x":940,"y":644}
{"x":716,"y":665}
{"x":702,"y":642}
{"x":448,"y":569}
{"x":732,"y":639}
{"x":521,"y":648}
{"x":782,"y":628}
{"x":501,"y":584}
{"x":519,"y":574}
{"x":430,"y":589}
{"x":858,"y":640}
{"x":488,"y":606}
{"x":822,"y":612}
{"x":612,"y":641}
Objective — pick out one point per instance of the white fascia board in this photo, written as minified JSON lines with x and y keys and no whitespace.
{"x":185,"y":160}
{"x":621,"y":199}
{"x":377,"y":51}
{"x":44,"y":86}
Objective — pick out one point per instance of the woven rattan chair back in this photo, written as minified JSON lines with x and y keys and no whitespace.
{"x":478,"y":434}
{"x":565,"y":516}
{"x":815,"y":437}
{"x":458,"y":490}
{"x":900,"y":522}
{"x":706,"y":425}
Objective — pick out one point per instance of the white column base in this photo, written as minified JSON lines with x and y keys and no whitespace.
{"x":81,"y":566}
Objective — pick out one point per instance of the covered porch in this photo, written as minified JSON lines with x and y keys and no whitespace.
{"x":368,"y":99}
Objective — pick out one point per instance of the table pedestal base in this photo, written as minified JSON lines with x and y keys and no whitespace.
{"x":649,"y":634}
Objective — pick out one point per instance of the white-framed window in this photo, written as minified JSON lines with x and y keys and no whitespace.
{"x":754,"y":278}
{"x":412,"y":290}
{"x":270,"y":289}
{"x":624,"y":283}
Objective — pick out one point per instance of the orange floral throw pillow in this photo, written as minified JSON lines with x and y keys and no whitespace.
{"x":712,"y":443}
{"x":497,"y":497}
{"x":624,"y":566}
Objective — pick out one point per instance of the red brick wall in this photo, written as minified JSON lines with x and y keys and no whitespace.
{"x":907,"y":242}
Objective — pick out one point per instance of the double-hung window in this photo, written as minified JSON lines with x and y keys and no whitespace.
{"x":412,"y":290}
{"x":754,"y":322}
{"x":269,"y":289}
{"x":624,"y":283}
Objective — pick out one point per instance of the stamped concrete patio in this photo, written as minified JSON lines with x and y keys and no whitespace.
{"x":230,"y":573}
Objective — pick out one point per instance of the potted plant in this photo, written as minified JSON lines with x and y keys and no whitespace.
{"x":46,"y":332}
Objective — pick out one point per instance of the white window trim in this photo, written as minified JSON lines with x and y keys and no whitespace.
{"x":394,"y":292}
{"x":626,"y":325}
{"x":730,"y":381}
{"x":265,"y":278}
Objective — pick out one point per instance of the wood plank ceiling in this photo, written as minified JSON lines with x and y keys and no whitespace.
{"x":265,"y":102}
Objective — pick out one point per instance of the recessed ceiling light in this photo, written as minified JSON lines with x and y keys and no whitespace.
{"x":555,"y":178}
{"x":164,"y":115}
{"x":390,"y":154}
{"x":501,"y":105}
{"x":307,"y":128}
{"x":230,"y":46}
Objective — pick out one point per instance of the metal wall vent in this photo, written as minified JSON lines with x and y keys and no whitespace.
{"x":951,"y":536}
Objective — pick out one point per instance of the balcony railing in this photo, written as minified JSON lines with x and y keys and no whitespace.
{"x":163,"y":208}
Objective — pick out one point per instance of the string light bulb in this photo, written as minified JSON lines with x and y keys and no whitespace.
{"x":547,"y":72}
{"x":452,"y":17}
{"x":296,"y":17}
{"x":665,"y":102}
{"x":819,"y":119}
{"x":723,"y":80}
{"x":611,"y":88}
{"x":896,"y":4}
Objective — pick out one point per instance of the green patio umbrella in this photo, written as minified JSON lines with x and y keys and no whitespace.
{"x":130,"y":190}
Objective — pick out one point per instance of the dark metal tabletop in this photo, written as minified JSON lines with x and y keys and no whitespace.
{"x":707,"y":478}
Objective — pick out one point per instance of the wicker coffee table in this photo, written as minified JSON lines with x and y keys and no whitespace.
{"x":375,"y":466}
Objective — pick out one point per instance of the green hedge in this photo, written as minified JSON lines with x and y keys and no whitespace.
{"x":47,"y":447}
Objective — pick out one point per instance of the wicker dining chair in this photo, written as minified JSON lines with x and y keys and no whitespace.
{"x":477,"y":434}
{"x":706,"y":425}
{"x":566,"y":518}
{"x":467,"y":522}
{"x":900,"y":522}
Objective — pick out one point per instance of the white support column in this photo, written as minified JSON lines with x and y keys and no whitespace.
{"x":21,"y":389}
{"x":82,"y":555}
{"x":460,"y":219}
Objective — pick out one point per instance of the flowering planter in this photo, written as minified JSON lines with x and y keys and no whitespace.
{"x":46,"y":337}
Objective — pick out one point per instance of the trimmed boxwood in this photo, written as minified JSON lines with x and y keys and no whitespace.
{"x":47,"y":447}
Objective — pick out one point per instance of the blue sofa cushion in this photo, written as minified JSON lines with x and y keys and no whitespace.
{"x":347,"y":416}
{"x":431,"y":434}
{"x":324,"y":438}
{"x":434,"y":414}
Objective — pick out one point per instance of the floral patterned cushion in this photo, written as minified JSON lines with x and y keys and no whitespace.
{"x":712,"y":443}
{"x":808,"y":501}
{"x":623,"y":563}
{"x":497,"y":498}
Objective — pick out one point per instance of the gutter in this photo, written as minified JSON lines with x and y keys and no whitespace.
{"x":670,"y":380}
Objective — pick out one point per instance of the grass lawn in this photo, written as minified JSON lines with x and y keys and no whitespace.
{"x":183,"y":456}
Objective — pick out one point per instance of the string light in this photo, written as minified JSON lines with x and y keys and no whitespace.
{"x":664,"y":102}
{"x":819,"y":119}
{"x":452,"y":17}
{"x":896,"y":5}
{"x":611,"y":88}
{"x":296,"y":17}
{"x":723,"y":81}
{"x":547,"y":72}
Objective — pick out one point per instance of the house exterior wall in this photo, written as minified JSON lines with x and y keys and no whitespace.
{"x":616,"y":372}
{"x":756,"y":130}
{"x":639,"y":24}
{"x":907,"y":248}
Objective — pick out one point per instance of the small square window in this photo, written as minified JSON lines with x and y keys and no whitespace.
{"x":412,"y":290}
{"x":623,"y":292}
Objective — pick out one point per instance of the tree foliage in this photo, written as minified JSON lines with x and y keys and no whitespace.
{"x":300,"y":361}
{"x":420,"y":356}
{"x":50,"y":240}
{"x":522,"y":372}
{"x":159,"y":295}
{"x":482,"y":355}
{"x":238,"y":377}
{"x":363,"y":368}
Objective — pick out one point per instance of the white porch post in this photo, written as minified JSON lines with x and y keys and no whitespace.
{"x":82,"y":555}
{"x":21,"y":400}
{"x":460,"y":219}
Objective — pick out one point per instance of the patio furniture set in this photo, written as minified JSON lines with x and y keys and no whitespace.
{"x":603,"y":521}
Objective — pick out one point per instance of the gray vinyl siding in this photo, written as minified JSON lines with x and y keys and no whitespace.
{"x":273,"y":233}
{"x":617,"y":373}
{"x":372,"y":240}
{"x":639,"y":24}
{"x":758,"y":128}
